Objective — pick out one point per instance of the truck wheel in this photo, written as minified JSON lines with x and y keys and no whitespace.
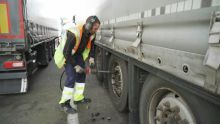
{"x":43,"y":55}
{"x":165,"y":103}
{"x":98,"y":61}
{"x":53,"y":47}
{"x":50,"y":49}
{"x":118,"y":83}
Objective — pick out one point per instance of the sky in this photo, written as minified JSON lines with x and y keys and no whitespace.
{"x":56,"y":9}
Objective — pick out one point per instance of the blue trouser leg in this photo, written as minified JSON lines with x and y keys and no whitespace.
{"x":75,"y":82}
{"x":71,"y":75}
{"x":79,"y":80}
{"x":80,"y":77}
{"x":68,"y":89}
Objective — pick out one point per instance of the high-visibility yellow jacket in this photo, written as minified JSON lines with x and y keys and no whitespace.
{"x":77,"y":31}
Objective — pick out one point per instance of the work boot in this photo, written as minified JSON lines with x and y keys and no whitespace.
{"x":83,"y":101}
{"x":67,"y":108}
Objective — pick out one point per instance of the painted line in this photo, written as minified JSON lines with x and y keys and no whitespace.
{"x":72,"y":119}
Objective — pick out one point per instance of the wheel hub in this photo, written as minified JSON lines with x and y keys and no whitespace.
{"x":117,"y":83}
{"x":171,"y":110}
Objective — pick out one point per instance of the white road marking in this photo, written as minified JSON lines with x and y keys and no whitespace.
{"x":72,"y":119}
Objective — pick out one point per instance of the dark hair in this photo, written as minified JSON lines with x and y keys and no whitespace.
{"x":96,"y":19}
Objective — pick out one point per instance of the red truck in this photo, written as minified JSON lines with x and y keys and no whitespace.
{"x":25,"y":45}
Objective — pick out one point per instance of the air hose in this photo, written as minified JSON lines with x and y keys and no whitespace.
{"x":61,"y":77}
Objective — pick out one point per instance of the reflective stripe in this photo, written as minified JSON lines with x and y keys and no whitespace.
{"x":79,"y":89}
{"x":78,"y":40}
{"x":78,"y":34}
{"x":79,"y":86}
{"x":157,"y":11}
{"x":86,"y":53}
{"x":215,"y":2}
{"x":4,"y":18}
{"x":180,"y":6}
{"x":171,"y":8}
{"x":78,"y":97}
{"x":23,"y":85}
{"x":67,"y":94}
{"x":167,"y":9}
{"x":67,"y":89}
{"x":88,"y":48}
{"x":77,"y":30}
{"x":197,"y":4}
{"x":188,"y":5}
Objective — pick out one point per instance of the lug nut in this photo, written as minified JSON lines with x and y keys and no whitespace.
{"x":177,"y":117}
{"x":157,"y":118}
{"x":175,"y":109}
{"x":160,"y":108}
{"x":183,"y":122}
{"x":166,"y":104}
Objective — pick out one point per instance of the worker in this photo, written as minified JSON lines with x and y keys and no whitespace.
{"x":78,"y":47}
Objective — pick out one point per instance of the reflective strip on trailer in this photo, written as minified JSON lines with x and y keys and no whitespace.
{"x":4,"y":18}
{"x":21,"y":20}
{"x":24,"y":85}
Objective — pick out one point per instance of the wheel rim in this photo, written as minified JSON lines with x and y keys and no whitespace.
{"x":117,"y":79}
{"x":169,"y":109}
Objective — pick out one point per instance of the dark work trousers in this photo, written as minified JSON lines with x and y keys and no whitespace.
{"x":72,"y":76}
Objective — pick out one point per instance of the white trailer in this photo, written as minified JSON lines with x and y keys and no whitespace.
{"x":164,"y":56}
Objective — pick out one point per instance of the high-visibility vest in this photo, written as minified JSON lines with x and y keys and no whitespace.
{"x":78,"y":31}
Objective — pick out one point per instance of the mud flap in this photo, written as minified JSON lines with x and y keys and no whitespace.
{"x":11,"y":83}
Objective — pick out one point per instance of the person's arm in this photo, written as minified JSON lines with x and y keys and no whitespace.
{"x":92,"y":54}
{"x":92,"y":51}
{"x":70,"y":43}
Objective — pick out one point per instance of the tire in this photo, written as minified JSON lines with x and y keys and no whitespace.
{"x":53,"y":48}
{"x":50,"y":49}
{"x":155,"y":91}
{"x":120,"y":98}
{"x":43,"y":55}
{"x":99,"y":62}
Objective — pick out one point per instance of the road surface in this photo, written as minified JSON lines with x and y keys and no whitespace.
{"x":40,"y":104}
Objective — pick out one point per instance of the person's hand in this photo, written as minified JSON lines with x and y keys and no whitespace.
{"x":79,"y":69}
{"x":91,"y":62}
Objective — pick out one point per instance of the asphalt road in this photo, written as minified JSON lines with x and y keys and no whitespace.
{"x":40,"y":104}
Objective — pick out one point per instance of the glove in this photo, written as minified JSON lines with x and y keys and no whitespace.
{"x":79,"y":69}
{"x":88,"y":70}
{"x":91,"y":62}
